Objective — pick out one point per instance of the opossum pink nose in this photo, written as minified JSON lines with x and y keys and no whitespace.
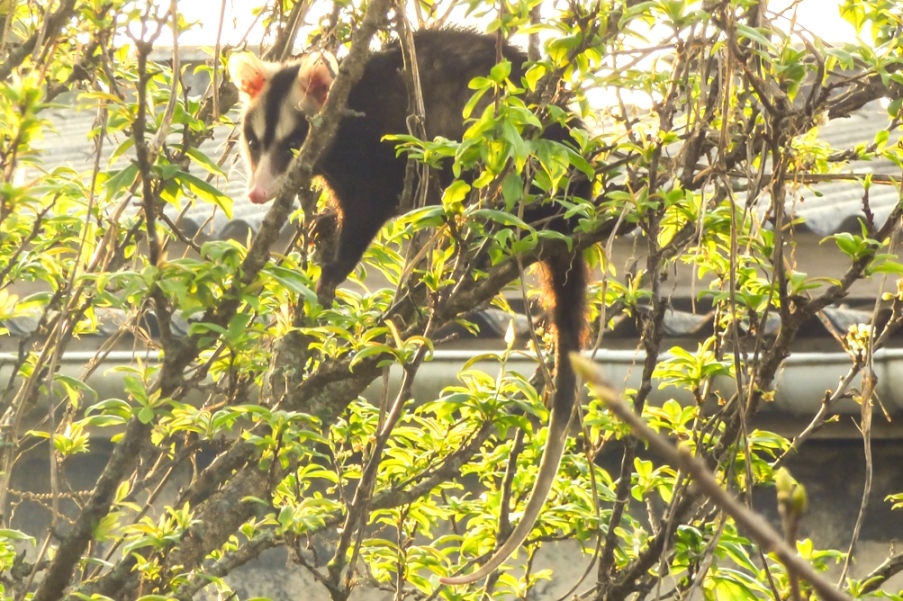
{"x":258,"y":195}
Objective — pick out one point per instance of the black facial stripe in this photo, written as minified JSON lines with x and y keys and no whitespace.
{"x":279,"y":161}
{"x":281,"y":153}
{"x":248,"y":130}
{"x":252,"y":144}
{"x":278,"y":92}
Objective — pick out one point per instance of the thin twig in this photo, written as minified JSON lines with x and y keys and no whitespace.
{"x":706,"y":484}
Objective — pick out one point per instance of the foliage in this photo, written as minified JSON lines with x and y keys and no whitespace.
{"x":243,"y":397}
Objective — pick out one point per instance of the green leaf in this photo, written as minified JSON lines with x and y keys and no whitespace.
{"x":206,"y":192}
{"x":503,"y":217}
{"x":202,"y":160}
{"x":8,"y":534}
{"x":755,"y":34}
{"x":500,"y":72}
{"x":533,"y":75}
{"x":291,"y":280}
{"x":474,"y":101}
{"x":146,"y":415}
{"x":371,"y":350}
{"x":136,"y":388}
{"x":121,"y":181}
{"x":424,"y":217}
{"x":455,"y":194}
{"x":512,"y":189}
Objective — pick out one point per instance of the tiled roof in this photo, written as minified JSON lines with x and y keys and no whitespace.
{"x":835,"y":207}
{"x":68,"y":144}
{"x":826,"y":207}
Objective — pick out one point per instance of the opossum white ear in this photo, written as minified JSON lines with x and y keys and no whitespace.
{"x":249,"y":73}
{"x":315,"y":77}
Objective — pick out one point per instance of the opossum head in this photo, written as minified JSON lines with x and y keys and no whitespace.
{"x":278,"y":99}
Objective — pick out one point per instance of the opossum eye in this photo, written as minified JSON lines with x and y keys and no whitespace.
{"x":253,"y":144}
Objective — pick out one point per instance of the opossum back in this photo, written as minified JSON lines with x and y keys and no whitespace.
{"x":448,"y":59}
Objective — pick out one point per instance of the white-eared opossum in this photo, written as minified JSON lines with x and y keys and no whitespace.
{"x":367,"y":178}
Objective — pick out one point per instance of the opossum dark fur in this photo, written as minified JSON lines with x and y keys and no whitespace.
{"x":367,"y":178}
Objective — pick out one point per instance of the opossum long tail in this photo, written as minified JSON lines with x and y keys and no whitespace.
{"x":565,"y":282}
